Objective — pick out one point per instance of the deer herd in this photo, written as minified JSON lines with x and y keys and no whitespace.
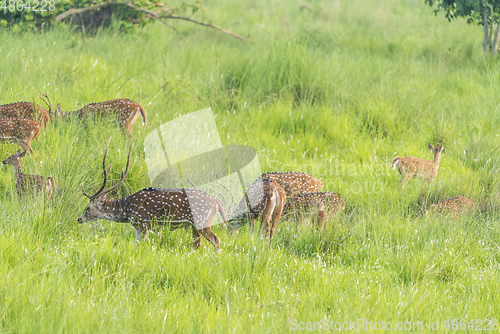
{"x":269,"y":198}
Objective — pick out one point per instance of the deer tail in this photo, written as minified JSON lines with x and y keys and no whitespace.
{"x":395,"y":161}
{"x":143,"y":114}
{"x":222,"y":213}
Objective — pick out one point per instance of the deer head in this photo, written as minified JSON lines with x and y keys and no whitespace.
{"x":436,"y":150}
{"x":95,"y":209}
{"x":15,"y":158}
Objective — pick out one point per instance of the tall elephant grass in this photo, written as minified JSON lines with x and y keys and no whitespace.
{"x":334,"y":89}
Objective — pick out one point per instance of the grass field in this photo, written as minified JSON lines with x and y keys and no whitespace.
{"x":336,"y":89}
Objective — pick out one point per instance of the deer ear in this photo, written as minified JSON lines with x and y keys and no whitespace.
{"x":431,"y":147}
{"x":441,"y":148}
{"x":22,"y":154}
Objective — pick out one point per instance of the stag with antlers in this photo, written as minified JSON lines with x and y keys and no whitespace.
{"x":20,"y":130}
{"x":28,"y":110}
{"x":264,"y":199}
{"x":29,"y":184}
{"x":125,"y":110}
{"x":175,"y":207}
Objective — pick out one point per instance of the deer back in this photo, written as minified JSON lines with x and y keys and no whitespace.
{"x":18,"y":128}
{"x":125,"y":109}
{"x":30,"y":183}
{"x":454,"y":206}
{"x":314,"y":202}
{"x":177,"y":207}
{"x":295,"y":183}
{"x":25,"y":110}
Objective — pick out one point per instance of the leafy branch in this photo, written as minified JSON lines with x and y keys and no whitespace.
{"x":161,"y":15}
{"x":478,"y":12}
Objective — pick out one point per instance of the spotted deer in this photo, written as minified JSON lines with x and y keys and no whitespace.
{"x":29,"y":184}
{"x":174,"y":207}
{"x":20,"y":130}
{"x":264,"y":199}
{"x":125,"y":110}
{"x":418,"y":168}
{"x":319,"y":205}
{"x":454,"y":207}
{"x":27,"y":110}
{"x":294,"y":183}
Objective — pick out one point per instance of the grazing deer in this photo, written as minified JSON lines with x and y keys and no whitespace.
{"x":454,"y":207}
{"x":27,"y":110}
{"x":27,"y":184}
{"x":20,"y":130}
{"x":125,"y":110}
{"x":418,"y":168}
{"x":320,"y":205}
{"x":294,"y":183}
{"x":175,"y":207}
{"x":264,"y":198}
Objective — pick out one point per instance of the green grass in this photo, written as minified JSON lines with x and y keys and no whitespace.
{"x":336,"y":90}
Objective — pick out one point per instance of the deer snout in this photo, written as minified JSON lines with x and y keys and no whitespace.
{"x":80,"y":220}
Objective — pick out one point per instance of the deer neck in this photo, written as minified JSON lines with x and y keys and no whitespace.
{"x":114,"y":210}
{"x":17,"y":170}
{"x":437,"y":156}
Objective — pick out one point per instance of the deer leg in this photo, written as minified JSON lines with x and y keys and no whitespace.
{"x":405,"y":180}
{"x":26,"y":145}
{"x":275,"y":218}
{"x":299,"y":217}
{"x":140,"y":233}
{"x":265,"y":221}
{"x":252,"y":224}
{"x":196,"y":238}
{"x":210,"y":236}
{"x":322,"y":216}
{"x":127,"y":130}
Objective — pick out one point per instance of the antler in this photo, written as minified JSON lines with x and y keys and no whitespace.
{"x":106,"y":172}
{"x":124,"y":174}
{"x":47,"y":102}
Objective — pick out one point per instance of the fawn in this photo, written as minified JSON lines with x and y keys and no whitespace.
{"x":454,"y":207}
{"x":418,"y":168}
{"x":320,"y":205}
{"x":27,"y":184}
